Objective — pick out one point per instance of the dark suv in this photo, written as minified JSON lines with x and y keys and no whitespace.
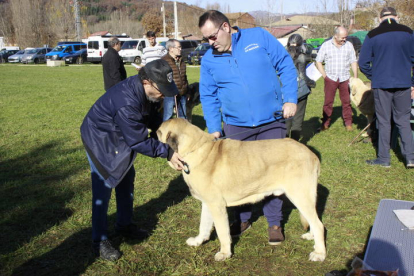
{"x":187,"y":46}
{"x":4,"y":54}
{"x":195,"y":56}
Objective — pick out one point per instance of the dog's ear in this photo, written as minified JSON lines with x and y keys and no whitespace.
{"x":172,"y":141}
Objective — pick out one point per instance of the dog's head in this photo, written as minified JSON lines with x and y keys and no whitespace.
{"x":357,"y":86}
{"x":180,"y":135}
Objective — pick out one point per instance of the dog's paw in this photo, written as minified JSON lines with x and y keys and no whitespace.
{"x":222,"y":256}
{"x":194,"y":241}
{"x":308,"y":236}
{"x":317,"y":257}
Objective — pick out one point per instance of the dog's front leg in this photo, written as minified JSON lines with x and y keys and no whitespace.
{"x":206,"y":225}
{"x":221,"y":222}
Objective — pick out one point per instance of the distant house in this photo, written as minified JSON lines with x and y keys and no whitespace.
{"x":304,"y":25}
{"x":306,"y":20}
{"x":241,"y":19}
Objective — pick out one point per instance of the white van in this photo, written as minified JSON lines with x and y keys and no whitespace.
{"x":98,"y":45}
{"x":131,"y":50}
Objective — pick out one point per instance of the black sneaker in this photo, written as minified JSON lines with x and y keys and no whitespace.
{"x":106,"y":251}
{"x":377,"y":162}
{"x":132,"y":231}
{"x":238,"y":228}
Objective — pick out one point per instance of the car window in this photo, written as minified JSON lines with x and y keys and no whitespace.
{"x":68,"y":49}
{"x":77,"y":47}
{"x":130,"y":44}
{"x":93,"y":45}
{"x":106,"y":44}
{"x":32,"y":51}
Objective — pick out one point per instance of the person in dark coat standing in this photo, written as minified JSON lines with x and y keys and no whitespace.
{"x":113,"y":132}
{"x":387,"y":58}
{"x":297,"y":50}
{"x":112,"y":64}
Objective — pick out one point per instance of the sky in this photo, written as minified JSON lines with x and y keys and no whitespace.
{"x":289,"y":6}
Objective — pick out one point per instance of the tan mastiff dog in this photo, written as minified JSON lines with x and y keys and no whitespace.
{"x":231,"y":173}
{"x":363,"y":98}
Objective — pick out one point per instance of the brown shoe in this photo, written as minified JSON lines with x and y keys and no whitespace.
{"x":275,"y":235}
{"x":348,"y":128}
{"x":237,"y":228}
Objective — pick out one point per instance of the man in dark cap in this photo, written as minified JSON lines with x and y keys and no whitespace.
{"x":387,"y":58}
{"x":113,"y":132}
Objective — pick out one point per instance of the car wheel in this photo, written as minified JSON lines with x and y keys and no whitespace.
{"x":79,"y":60}
{"x":36,"y":61}
{"x":137,"y":60}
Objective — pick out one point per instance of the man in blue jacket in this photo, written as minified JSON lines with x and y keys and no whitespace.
{"x":386,"y":58}
{"x":113,"y":132}
{"x":248,"y":81}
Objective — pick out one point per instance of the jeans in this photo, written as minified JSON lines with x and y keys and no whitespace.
{"x":272,"y":207}
{"x":169,"y":103}
{"x":101,"y":194}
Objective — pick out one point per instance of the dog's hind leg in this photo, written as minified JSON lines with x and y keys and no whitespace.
{"x":206,"y":225}
{"x":307,"y":207}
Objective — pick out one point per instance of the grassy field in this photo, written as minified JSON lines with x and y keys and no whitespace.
{"x":45,"y":194}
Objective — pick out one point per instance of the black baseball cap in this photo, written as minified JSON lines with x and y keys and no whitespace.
{"x":159,"y":72}
{"x":388,"y":11}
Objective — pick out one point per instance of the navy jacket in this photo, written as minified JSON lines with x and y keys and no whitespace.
{"x":387,"y":56}
{"x":116,"y":129}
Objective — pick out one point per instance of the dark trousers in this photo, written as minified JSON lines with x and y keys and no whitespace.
{"x":101,"y":194}
{"x":294,"y":126}
{"x":330,"y":91}
{"x":272,"y":207}
{"x":395,"y":104}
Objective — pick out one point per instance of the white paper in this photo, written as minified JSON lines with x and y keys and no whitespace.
{"x":312,"y":72}
{"x":406,"y":217}
{"x":136,"y":65}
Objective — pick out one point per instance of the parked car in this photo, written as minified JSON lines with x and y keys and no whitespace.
{"x":16,"y":58}
{"x":195,"y":56}
{"x":63,"y":50}
{"x":187,"y":46}
{"x":5,"y":53}
{"x":78,"y":57}
{"x":36,"y":55}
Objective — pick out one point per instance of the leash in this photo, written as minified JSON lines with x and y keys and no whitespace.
{"x":275,"y":114}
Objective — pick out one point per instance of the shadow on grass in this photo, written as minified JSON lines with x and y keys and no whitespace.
{"x":31,"y":198}
{"x":74,"y":255}
{"x":199,"y":121}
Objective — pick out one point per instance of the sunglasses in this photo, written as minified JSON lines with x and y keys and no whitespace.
{"x":213,"y":37}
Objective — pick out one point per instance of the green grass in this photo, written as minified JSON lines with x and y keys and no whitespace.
{"x":45,"y":194}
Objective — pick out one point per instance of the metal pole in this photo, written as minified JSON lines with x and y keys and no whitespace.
{"x":163,"y":18}
{"x":77,"y":21}
{"x":175,"y":20}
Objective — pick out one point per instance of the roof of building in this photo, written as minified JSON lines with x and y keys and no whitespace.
{"x":282,"y":31}
{"x":236,"y":15}
{"x":305,"y":20}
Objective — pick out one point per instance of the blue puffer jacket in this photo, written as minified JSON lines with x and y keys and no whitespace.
{"x":387,"y":56}
{"x":244,"y":84}
{"x":116,"y":129}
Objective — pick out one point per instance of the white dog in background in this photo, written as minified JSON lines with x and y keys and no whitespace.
{"x":363,"y":98}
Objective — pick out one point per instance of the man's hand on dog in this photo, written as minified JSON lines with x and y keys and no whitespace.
{"x":177,"y":161}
